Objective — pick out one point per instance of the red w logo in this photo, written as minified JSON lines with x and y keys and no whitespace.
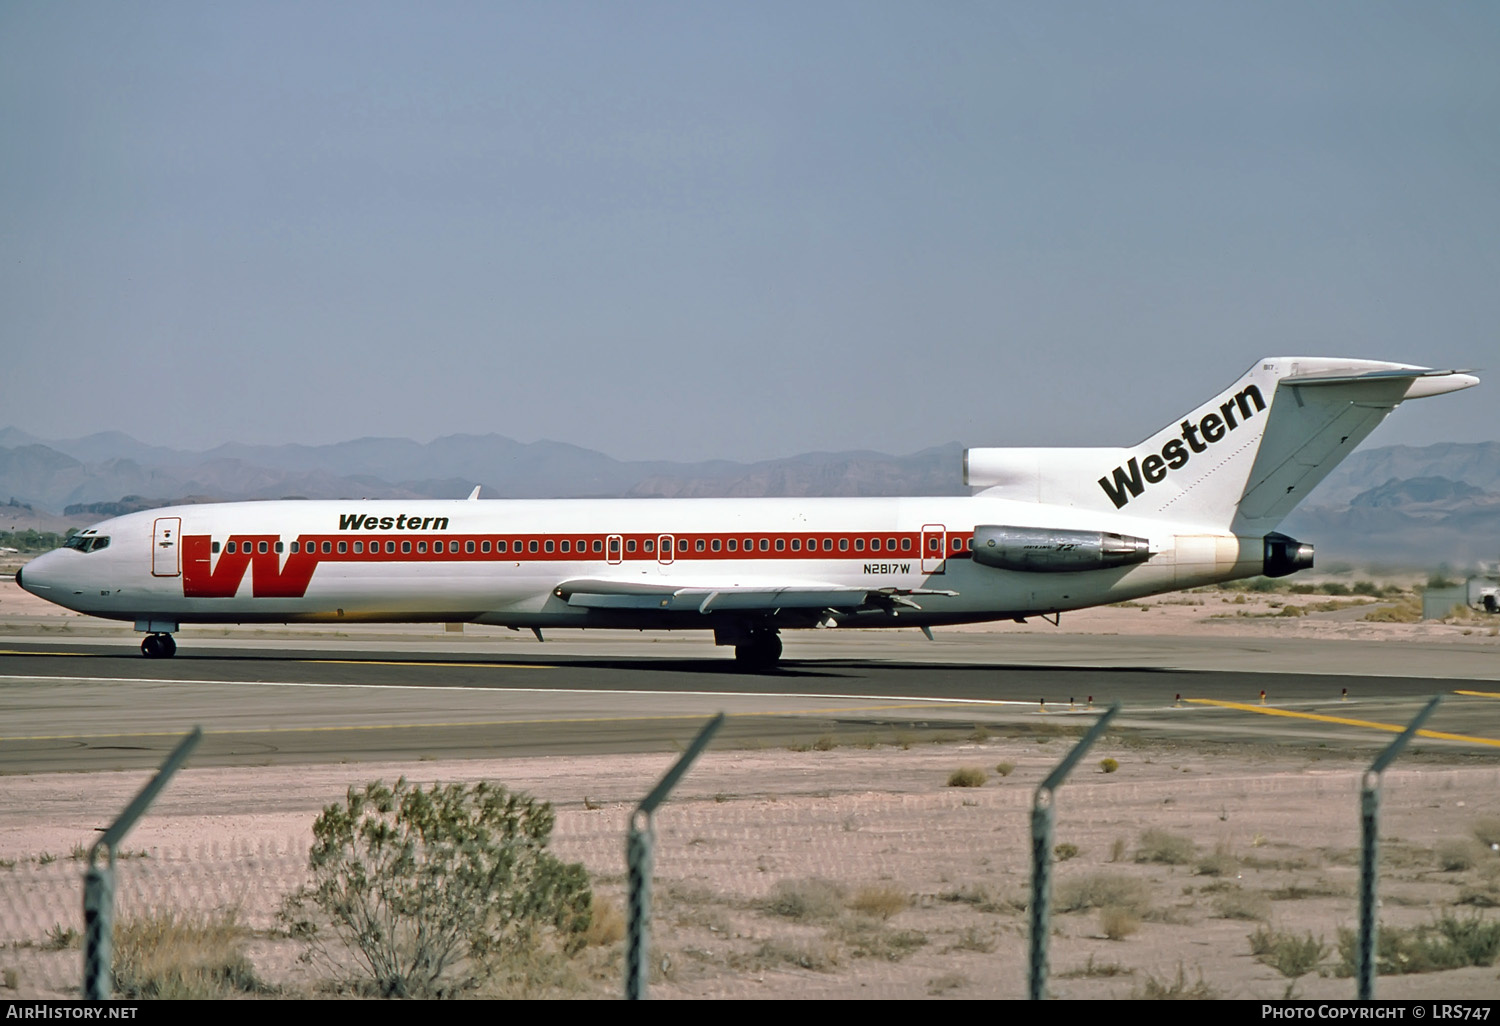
{"x":269,"y":578}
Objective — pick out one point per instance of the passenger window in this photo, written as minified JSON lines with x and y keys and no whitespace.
{"x":437,"y":547}
{"x":958,"y":544}
{"x":698,"y":545}
{"x":406,"y":546}
{"x":765,"y":545}
{"x":827,"y":544}
{"x":780,"y":544}
{"x":750,"y":543}
{"x":390,"y":546}
{"x":359,"y":547}
{"x":796,"y":544}
{"x":214,"y":548}
{"x":263,"y":547}
{"x":565,"y":545}
{"x":500,"y":545}
{"x":630,"y":545}
{"x":648,"y":546}
{"x":874,"y":544}
{"x":549,"y":545}
{"x":343,"y":546}
{"x":843,"y":544}
{"x":905,"y":544}
{"x":327,"y":547}
{"x":733,"y":545}
{"x":531,"y":545}
{"x":468,"y":546}
{"x":421,"y":546}
{"x":890,"y":544}
{"x":278,"y":546}
{"x":716,"y":545}
{"x":598,"y":545}
{"x":484,"y":546}
{"x":859,"y":545}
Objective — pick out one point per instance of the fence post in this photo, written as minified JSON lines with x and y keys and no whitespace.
{"x":1042,"y":804}
{"x":1369,"y":855}
{"x":640,"y":844}
{"x":99,"y":882}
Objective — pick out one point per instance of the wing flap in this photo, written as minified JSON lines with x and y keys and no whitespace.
{"x":598,"y":594}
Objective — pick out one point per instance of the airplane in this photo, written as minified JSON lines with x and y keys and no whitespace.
{"x":1049,"y":530}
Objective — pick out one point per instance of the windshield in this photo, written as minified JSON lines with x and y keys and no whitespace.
{"x":87,"y":542}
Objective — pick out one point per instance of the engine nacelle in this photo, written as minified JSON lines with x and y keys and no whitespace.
{"x":1284,"y":555}
{"x":1040,"y":550}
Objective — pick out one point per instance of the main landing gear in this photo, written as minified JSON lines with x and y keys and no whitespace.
{"x":760,"y":651}
{"x":158,"y":646}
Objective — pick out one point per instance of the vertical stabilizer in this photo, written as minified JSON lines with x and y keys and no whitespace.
{"x":1241,"y":461}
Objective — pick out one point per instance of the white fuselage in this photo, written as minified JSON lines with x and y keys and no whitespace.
{"x":502,"y":561}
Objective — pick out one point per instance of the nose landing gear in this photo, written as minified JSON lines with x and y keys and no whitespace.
{"x":158,"y":646}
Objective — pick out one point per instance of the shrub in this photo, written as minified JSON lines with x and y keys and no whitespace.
{"x":1005,"y":769}
{"x":1117,"y":923}
{"x":813,"y":898}
{"x":881,"y":902}
{"x":1487,"y":831}
{"x":1458,"y":854}
{"x":1065,"y":851}
{"x":1288,"y":954}
{"x":1179,"y":989}
{"x":1448,"y":943}
{"x":1103,"y":890}
{"x":967,"y":776}
{"x":1108,"y":765}
{"x":428,"y":892}
{"x":1167,"y":848}
{"x":1238,"y":903}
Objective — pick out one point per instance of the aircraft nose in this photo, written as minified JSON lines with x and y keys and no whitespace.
{"x":19,"y":583}
{"x":33,"y":576}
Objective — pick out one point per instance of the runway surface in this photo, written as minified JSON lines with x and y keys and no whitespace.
{"x":88,"y":705}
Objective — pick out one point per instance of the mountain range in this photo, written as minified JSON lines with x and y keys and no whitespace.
{"x":1399,"y":505}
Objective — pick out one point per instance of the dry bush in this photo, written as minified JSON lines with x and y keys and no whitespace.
{"x":1165,"y":847}
{"x":1407,"y":609}
{"x":1005,"y":769}
{"x":972,"y":938}
{"x":1319,"y":888}
{"x":1178,"y":989}
{"x":1117,"y":849}
{"x":1095,"y":970}
{"x":940,"y":985}
{"x":1108,"y":765}
{"x":873,"y":940}
{"x":1459,"y":853}
{"x":606,"y":924}
{"x":967,"y":776}
{"x":879,"y":901}
{"x":172,"y":955}
{"x":1220,"y":863}
{"x":1117,"y":923}
{"x":1487,"y":832}
{"x":1238,"y":903}
{"x":1103,"y":890}
{"x":819,"y":956}
{"x":806,"y":900}
{"x":1065,"y":851}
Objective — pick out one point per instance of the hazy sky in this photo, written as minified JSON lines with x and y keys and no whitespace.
{"x":734,"y":230}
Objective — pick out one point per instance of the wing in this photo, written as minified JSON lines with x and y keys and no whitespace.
{"x":762,"y":598}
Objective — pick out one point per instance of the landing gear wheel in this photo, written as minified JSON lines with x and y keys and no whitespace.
{"x":759,"y":653}
{"x":158,"y":646}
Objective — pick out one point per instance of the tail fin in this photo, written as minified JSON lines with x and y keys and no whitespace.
{"x":1241,"y":461}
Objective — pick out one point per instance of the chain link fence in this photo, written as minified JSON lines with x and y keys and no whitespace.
{"x":863,"y":873}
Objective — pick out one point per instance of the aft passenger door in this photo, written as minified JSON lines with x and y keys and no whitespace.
{"x":166,"y":558}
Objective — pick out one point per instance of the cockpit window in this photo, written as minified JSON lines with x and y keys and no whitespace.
{"x":87,"y":542}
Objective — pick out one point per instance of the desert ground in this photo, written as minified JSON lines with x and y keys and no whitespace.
{"x":858,"y":871}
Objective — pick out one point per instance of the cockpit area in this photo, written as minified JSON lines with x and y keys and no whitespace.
{"x":87,"y":541}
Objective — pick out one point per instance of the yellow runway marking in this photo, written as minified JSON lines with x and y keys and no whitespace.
{"x":1394,"y":728}
{"x":1478,"y":694}
{"x":421,"y":662}
{"x":475,"y":723}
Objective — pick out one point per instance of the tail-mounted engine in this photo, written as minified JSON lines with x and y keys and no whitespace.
{"x":1285,"y":555}
{"x":1038,"y":550}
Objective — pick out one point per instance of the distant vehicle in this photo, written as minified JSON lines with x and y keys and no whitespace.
{"x":1053,"y":529}
{"x":6,"y":550}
